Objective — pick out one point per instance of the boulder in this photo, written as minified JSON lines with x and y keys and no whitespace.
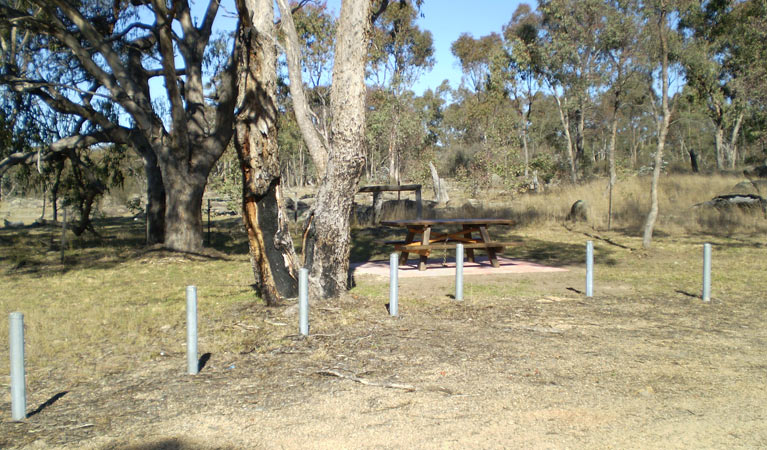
{"x":745,"y":202}
{"x":579,"y":212}
{"x":757,"y":186}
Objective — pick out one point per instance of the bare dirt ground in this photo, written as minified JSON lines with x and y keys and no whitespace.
{"x":526,"y":361}
{"x":548,"y":372}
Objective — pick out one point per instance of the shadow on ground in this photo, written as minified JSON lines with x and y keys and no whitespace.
{"x":367,"y":245}
{"x":40,"y":249}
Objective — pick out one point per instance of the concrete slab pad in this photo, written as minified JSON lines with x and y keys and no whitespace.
{"x":435,"y":267}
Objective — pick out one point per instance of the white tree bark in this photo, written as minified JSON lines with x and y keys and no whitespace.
{"x":662,"y":125}
{"x":440,"y":186}
{"x":315,"y":142}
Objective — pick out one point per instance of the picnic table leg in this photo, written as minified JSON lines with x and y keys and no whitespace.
{"x":490,"y":250}
{"x":469,"y":251}
{"x":403,"y":255}
{"x":425,"y":241}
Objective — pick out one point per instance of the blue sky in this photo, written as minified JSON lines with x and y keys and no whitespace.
{"x":447,"y":20}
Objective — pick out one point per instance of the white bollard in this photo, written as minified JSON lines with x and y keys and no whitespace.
{"x":706,"y":273}
{"x":394,"y":284}
{"x":459,"y":272}
{"x":303,"y":301}
{"x":590,"y":269}
{"x":18,"y":374}
{"x":193,"y":364}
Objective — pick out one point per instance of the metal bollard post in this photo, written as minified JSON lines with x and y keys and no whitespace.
{"x":193,"y":365}
{"x":590,"y":269}
{"x":706,"y":272}
{"x":303,"y":301}
{"x":394,"y":284}
{"x":18,"y":375}
{"x":459,"y":272}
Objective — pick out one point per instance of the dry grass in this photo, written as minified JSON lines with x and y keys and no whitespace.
{"x":113,"y":313}
{"x":678,"y":196}
{"x":678,"y":214}
{"x":110,"y":299}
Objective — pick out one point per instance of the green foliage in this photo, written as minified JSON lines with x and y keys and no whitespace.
{"x":316,"y":29}
{"x":400,"y":51}
{"x":226,"y":179}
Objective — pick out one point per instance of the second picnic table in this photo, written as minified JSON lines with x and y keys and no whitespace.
{"x":430,"y":240}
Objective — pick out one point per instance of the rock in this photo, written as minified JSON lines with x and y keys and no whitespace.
{"x":746,"y":202}
{"x":756,"y":172}
{"x":758,"y":187}
{"x":578,"y":212}
{"x":8,"y":224}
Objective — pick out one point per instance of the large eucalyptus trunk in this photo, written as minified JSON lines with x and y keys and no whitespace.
{"x":183,"y":208}
{"x":272,"y":254}
{"x":155,"y":200}
{"x":328,"y":242}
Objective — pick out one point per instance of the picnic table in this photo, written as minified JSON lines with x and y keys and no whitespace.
{"x":422,"y":239}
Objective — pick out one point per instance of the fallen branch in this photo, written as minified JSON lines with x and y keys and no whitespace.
{"x":335,"y":373}
{"x":609,"y":241}
{"x":276,"y":324}
{"x":603,"y":239}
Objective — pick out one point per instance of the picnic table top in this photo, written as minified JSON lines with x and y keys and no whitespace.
{"x":389,"y":187}
{"x":432,"y":222}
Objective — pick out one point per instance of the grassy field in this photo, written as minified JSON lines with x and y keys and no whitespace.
{"x":103,"y":311}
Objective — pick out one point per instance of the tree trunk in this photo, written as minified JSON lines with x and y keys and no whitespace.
{"x":272,"y":254}
{"x":611,"y":160}
{"x":733,"y":144}
{"x":719,"y":140}
{"x":155,"y":200}
{"x":328,"y":234}
{"x":525,"y":148}
{"x":663,"y":123}
{"x":315,"y":141}
{"x":440,"y":187}
{"x":580,"y":152}
{"x":394,"y":150}
{"x":568,"y":140}
{"x":183,"y":208}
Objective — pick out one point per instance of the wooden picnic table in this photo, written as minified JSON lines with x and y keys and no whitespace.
{"x":430,"y":240}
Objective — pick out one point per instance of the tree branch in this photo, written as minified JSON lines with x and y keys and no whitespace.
{"x":381,"y":9}
{"x":318,"y":147}
{"x":125,"y":92}
{"x":178,"y":113}
{"x":53,"y":150}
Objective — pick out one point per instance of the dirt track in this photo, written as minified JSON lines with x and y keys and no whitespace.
{"x":538,"y":372}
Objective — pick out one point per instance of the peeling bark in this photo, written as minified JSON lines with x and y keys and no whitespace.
{"x":328,"y":237}
{"x":272,"y":254}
